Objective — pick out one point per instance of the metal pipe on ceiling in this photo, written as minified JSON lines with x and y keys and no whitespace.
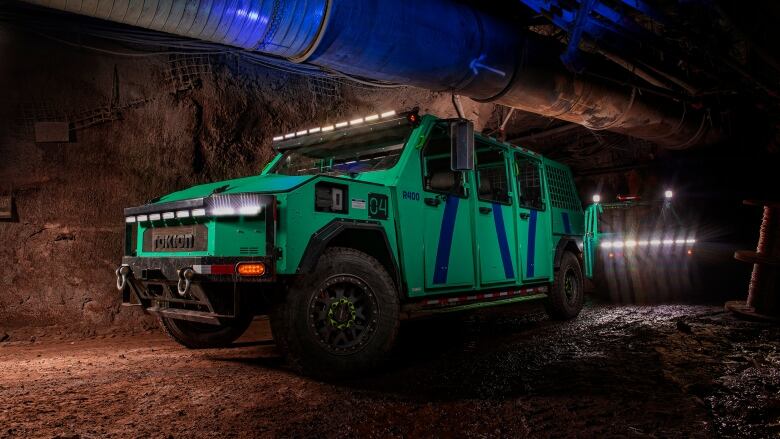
{"x":435,"y":44}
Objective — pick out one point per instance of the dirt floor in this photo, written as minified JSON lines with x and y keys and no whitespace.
{"x":630,"y":371}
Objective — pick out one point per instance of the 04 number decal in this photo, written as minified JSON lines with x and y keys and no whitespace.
{"x":377,"y":206}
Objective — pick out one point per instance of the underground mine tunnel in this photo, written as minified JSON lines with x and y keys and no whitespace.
{"x":365,"y":218}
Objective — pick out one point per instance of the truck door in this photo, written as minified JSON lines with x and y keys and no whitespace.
{"x":494,"y":217}
{"x":448,"y":244}
{"x":533,"y":226}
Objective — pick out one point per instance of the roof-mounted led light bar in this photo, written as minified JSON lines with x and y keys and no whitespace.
{"x":327,"y":128}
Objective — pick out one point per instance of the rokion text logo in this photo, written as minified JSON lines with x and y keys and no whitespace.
{"x":174,"y":241}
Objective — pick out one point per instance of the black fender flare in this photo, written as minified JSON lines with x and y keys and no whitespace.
{"x":321,"y":239}
{"x":567,"y":242}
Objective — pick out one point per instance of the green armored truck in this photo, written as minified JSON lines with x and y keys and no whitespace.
{"x":350,"y":229}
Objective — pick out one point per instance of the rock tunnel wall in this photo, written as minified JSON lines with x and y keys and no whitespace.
{"x":141,"y":126}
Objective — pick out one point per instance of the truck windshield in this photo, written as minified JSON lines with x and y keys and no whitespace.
{"x":363,"y":152}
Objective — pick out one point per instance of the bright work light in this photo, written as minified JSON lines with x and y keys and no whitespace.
{"x":668,"y":194}
{"x":223,"y":211}
{"x":328,"y":128}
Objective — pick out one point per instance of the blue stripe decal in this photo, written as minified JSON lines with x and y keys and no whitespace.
{"x":529,"y":269}
{"x":445,"y":240}
{"x":566,"y":222}
{"x":503,"y":244}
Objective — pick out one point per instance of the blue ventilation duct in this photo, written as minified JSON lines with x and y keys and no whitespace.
{"x":435,"y":44}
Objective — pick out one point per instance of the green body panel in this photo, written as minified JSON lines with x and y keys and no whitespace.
{"x":592,"y":237}
{"x":244,"y":236}
{"x":299,"y":221}
{"x":455,"y":244}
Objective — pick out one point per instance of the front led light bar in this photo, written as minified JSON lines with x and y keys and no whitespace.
{"x":339,"y":125}
{"x":235,"y":205}
{"x":246,"y":205}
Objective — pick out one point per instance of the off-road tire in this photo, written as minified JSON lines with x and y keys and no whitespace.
{"x":196,"y":335}
{"x":296,"y":335}
{"x":564,"y":302}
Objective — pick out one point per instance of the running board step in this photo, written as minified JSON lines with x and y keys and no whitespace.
{"x":487,"y":303}
{"x":478,"y":300}
{"x":184,"y":314}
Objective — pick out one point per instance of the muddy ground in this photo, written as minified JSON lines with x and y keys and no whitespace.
{"x":630,"y":371}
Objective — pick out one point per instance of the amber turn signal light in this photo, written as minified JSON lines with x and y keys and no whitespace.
{"x":251,"y":269}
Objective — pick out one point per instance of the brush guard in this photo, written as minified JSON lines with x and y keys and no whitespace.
{"x":182,"y":293}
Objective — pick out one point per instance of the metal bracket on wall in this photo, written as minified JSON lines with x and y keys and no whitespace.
{"x":6,"y":208}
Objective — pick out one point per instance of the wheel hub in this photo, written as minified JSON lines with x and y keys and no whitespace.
{"x":569,"y":286}
{"x":343,"y":314}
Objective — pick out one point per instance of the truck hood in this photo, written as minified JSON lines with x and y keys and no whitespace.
{"x":269,"y":183}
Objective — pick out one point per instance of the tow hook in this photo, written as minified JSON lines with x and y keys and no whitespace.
{"x":185,"y":280}
{"x":121,"y":276}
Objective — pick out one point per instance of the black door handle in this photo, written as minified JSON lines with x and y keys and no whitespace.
{"x":485,"y":210}
{"x":524,"y":215}
{"x":432,"y":201}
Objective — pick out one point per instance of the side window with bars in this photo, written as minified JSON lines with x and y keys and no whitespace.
{"x":438,"y":175}
{"x":563,"y":195}
{"x":491,"y":173}
{"x":529,"y":183}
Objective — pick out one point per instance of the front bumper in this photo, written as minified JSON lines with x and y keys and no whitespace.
{"x":160,"y":287}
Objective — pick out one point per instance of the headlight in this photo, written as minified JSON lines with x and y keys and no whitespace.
{"x":234,"y":205}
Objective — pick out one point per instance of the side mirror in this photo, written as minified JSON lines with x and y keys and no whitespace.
{"x":462,"y":144}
